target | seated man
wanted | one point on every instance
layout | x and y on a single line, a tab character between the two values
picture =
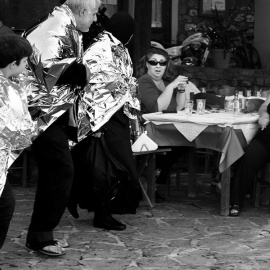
256	154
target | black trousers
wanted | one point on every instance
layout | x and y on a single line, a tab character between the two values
7	206
256	154
90	183
117	137
55	176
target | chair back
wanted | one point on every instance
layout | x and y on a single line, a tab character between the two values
254	104
212	101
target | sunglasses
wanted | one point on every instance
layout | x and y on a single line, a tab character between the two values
154	63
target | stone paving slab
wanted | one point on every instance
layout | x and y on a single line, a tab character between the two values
180	233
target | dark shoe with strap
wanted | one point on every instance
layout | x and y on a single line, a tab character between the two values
108	223
234	211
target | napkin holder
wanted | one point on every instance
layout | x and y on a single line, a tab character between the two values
144	144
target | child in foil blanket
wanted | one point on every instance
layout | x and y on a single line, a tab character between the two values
16	126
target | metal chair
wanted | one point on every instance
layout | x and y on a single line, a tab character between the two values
261	186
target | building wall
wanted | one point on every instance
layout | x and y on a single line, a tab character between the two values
262	34
23	13
215	78
242	12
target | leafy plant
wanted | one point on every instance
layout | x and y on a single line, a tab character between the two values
223	32
227	32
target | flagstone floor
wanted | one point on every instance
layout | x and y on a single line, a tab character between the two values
181	233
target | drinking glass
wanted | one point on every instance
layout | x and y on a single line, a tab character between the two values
188	107
182	87
229	106
200	106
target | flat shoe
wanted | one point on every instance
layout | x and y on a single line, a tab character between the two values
109	223
234	211
40	248
62	243
72	208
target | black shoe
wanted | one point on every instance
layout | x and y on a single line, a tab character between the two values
159	198
108	223
72	208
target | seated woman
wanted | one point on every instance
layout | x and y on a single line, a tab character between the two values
158	94
257	153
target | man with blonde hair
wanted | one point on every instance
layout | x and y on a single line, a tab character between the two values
57	75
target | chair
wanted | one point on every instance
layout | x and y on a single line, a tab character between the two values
177	168
262	186
146	161
254	104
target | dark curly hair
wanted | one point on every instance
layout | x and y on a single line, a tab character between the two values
13	48
141	68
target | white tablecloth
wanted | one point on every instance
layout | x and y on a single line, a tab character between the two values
192	125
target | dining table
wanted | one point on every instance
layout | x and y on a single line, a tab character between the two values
227	133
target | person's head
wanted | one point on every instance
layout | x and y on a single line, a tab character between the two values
5	29
122	26
14	52
85	12
154	63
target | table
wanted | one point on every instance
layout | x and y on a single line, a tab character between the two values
222	132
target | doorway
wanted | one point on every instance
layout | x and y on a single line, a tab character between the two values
161	22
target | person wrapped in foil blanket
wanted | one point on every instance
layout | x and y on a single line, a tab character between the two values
53	54
105	170
106	92
17	130
111	85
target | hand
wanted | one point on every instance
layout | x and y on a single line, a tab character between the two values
263	121
97	134
180	80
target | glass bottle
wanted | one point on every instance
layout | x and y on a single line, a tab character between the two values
236	103
191	96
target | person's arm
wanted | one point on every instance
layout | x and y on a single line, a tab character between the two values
180	97
180	101
165	98
264	115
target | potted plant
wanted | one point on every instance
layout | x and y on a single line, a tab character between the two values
222	33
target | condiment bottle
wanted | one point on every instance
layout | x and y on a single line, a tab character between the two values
236	104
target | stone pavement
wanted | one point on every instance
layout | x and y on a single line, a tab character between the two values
180	233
